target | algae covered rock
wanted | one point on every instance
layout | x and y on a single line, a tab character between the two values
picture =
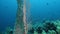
9	30
43	32
31	31
39	30
50	27
58	30
57	22
35	32
51	32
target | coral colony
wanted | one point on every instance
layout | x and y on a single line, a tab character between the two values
48	27
51	27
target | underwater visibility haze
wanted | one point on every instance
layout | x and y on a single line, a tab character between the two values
39	10
7	13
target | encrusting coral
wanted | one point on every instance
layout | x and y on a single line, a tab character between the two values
49	27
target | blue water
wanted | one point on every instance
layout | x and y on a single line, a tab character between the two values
45	9
7	13
39	9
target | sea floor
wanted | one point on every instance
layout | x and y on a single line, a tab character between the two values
48	27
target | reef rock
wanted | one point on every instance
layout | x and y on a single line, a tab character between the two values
58	30
43	32
51	32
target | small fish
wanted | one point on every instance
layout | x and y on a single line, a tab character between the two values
47	3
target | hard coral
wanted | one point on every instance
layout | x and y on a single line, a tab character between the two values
39	30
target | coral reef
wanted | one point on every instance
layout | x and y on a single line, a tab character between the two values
39	30
49	27
9	30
